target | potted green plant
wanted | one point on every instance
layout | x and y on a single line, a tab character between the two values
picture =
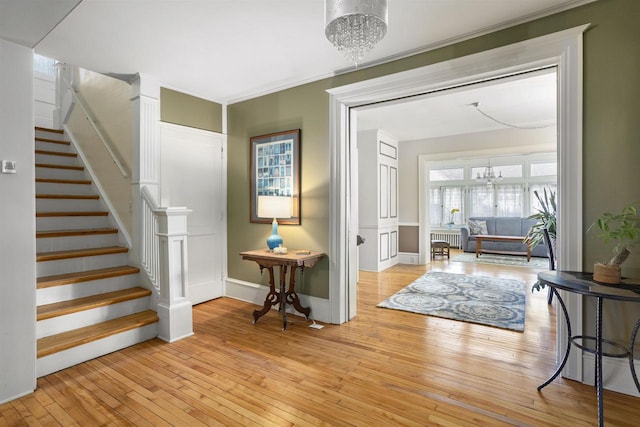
622	228
546	216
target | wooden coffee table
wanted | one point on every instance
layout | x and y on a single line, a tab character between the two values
492	238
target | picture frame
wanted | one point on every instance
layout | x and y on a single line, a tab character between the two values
275	171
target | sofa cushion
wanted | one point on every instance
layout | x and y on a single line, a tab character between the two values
477	226
507	226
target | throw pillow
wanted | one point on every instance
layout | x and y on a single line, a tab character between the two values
478	226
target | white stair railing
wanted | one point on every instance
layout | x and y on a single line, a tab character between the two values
164	259
150	247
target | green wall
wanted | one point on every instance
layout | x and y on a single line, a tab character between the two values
611	133
186	110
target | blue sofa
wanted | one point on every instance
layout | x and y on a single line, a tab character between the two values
501	226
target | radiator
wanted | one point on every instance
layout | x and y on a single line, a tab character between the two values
452	237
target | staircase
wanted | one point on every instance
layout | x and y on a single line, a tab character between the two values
88	301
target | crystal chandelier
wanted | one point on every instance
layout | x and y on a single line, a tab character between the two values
488	176
355	26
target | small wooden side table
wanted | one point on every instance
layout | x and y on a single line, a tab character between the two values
286	262
439	247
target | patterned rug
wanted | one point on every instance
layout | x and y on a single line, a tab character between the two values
510	260
485	300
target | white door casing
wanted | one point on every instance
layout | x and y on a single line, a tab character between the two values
562	50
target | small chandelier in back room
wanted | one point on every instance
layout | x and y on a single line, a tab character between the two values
489	177
355	26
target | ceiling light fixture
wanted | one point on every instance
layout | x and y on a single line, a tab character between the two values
477	105
354	27
488	176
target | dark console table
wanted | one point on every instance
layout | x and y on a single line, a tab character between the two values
286	262
583	283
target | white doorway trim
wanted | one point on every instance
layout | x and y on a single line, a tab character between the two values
562	50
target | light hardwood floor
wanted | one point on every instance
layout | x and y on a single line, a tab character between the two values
384	368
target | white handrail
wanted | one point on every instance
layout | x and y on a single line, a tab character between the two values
150	246
103	138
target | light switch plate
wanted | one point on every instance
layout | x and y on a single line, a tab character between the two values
8	166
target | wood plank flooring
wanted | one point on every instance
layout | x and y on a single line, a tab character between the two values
384	368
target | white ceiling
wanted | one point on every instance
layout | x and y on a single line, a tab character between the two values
527	101
228	50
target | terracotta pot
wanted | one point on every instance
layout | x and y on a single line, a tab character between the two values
606	273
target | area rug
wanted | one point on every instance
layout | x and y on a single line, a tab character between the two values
510	260
488	301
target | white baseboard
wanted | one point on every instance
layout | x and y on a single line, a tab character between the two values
616	374
256	294
408	258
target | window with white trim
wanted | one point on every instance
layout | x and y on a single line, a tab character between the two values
452	184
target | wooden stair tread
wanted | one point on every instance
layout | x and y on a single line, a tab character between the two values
52	141
64	181
52	166
78	253
63	308
75	213
85	276
55	153
68	196
68	233
45	129
66	340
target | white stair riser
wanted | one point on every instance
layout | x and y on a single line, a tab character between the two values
57	160
50	146
85	289
73	356
50	135
51	244
57	325
67	205
57	188
72	222
73	265
59	173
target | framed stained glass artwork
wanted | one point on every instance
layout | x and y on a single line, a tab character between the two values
275	171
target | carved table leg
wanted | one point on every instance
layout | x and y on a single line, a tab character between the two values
283	298
272	299
292	297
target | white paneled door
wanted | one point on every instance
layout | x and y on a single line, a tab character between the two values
193	174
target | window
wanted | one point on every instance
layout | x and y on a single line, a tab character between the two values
442	200
453	185
435	206
44	65
481	200
452	198
454	174
539	188
509	200
544	169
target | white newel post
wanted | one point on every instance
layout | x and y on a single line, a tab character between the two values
174	307
167	276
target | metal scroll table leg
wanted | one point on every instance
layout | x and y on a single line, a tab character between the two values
632	343
566	354
599	361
